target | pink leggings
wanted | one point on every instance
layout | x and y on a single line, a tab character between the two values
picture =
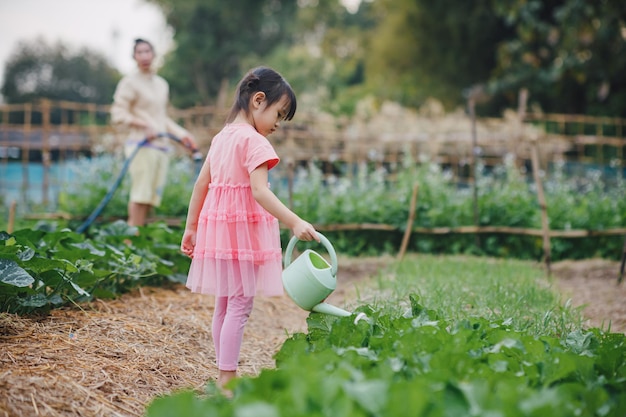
229	319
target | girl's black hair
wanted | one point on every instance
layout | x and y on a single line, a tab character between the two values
269	82
138	42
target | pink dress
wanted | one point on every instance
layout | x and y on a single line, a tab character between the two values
237	248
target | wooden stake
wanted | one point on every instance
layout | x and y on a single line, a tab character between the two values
545	227
475	155
409	223
534	157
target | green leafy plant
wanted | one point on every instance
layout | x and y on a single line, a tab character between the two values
421	363
42	269
505	197
371	194
92	179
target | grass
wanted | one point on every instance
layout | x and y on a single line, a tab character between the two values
461	287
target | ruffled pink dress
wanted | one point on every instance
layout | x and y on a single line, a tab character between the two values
237	248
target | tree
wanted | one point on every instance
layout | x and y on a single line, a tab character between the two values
570	54
212	37
39	70
339	41
425	48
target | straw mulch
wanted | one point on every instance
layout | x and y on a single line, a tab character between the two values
111	358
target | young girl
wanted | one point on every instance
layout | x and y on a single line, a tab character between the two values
232	232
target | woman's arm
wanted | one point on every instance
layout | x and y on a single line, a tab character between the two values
186	138
268	200
121	107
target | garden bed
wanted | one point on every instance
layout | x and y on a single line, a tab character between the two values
110	358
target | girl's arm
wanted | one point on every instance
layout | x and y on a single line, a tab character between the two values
198	195
268	200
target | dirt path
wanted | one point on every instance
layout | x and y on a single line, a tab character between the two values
592	285
113	357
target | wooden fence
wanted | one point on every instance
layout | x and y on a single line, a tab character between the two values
46	132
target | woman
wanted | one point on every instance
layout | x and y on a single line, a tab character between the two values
140	105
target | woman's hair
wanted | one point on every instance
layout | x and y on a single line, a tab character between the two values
269	82
138	42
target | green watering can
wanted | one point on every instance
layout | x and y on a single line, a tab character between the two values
310	279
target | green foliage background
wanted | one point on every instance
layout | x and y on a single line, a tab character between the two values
505	198
570	54
38	69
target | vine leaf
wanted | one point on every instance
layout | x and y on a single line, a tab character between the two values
12	274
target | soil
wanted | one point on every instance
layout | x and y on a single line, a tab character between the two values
111	358
592	286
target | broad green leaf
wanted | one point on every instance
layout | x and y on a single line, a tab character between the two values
36	300
89	246
409	398
256	409
371	395
26	255
11	252
183	404
12	274
38	265
453	403
78	289
581	342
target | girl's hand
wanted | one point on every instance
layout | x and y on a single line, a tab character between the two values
188	243
305	231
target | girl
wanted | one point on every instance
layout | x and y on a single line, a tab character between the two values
232	232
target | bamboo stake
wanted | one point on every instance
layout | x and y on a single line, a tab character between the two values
409	222
534	154
474	162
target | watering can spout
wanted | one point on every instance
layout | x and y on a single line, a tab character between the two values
330	309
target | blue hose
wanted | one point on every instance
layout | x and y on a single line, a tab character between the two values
109	195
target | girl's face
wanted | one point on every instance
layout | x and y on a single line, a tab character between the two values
266	119
144	55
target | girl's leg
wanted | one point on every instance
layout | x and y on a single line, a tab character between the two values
219	312
223	378
231	337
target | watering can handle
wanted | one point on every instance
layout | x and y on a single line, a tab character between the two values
327	245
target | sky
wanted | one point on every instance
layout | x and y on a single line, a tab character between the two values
106	26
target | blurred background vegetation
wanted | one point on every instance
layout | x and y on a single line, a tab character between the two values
570	54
